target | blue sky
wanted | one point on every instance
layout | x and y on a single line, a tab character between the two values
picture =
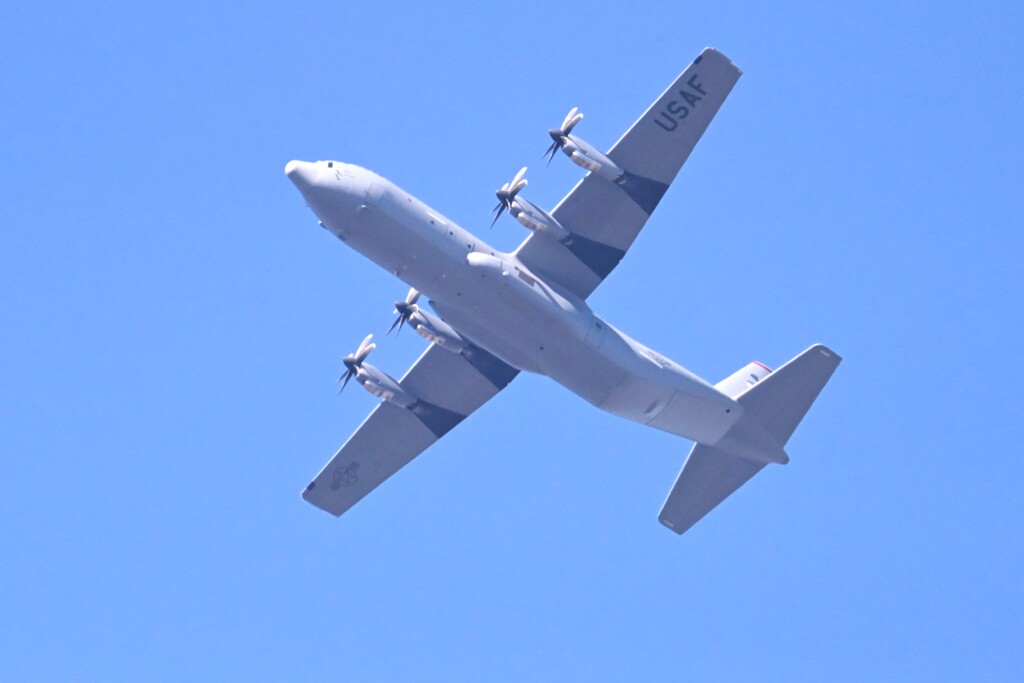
172	322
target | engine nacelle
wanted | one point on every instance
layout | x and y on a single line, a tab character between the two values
534	218
382	385
585	155
435	330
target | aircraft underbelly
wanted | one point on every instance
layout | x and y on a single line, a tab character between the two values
663	396
589	357
497	303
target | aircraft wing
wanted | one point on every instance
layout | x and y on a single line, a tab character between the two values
605	217
449	387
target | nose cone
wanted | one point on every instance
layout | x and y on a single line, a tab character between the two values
302	173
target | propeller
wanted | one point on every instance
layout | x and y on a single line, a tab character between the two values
405	309
355	360
507	193
560	135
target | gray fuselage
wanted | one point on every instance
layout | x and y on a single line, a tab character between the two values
496	302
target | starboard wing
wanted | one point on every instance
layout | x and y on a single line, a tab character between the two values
605	217
449	387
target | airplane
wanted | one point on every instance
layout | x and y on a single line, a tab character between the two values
494	314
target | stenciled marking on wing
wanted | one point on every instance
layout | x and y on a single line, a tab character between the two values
345	476
675	110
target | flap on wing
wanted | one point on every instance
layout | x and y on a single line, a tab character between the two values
450	387
605	217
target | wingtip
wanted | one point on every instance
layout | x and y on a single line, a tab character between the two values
668	525
306	494
718	53
827	352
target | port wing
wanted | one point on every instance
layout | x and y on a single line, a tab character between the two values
449	387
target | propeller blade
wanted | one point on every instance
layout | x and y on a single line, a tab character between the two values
364	349
354	361
350	371
515	186
560	135
571	119
568	118
552	150
497	211
504	195
405	311
362	345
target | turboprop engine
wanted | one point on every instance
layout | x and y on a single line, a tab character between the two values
528	214
375	381
582	153
427	325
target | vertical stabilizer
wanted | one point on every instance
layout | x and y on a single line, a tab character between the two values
781	399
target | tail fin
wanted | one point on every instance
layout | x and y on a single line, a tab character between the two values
782	398
774	405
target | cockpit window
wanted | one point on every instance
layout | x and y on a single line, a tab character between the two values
330	164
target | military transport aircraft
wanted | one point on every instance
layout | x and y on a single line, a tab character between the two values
495	314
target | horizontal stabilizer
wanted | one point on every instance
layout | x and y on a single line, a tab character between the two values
708	477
